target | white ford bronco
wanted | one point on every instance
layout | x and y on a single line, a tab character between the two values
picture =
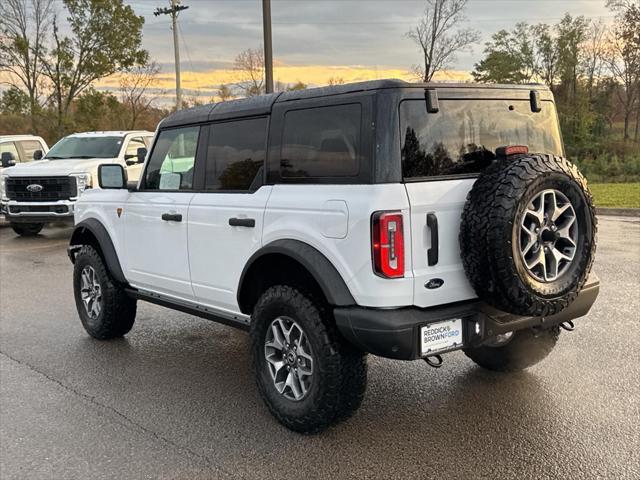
402	220
32	194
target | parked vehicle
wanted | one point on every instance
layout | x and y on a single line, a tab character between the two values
33	194
403	220
15	149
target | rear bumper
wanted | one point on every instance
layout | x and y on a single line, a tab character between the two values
395	333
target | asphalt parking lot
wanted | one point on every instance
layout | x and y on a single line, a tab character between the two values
176	398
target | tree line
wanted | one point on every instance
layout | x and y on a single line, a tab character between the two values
592	68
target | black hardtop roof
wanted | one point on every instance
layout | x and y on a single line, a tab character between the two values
262	104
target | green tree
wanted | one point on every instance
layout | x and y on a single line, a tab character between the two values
94	110
14	101
510	57
106	37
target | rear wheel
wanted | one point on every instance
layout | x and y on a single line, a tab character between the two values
515	351
105	310
308	376
27	229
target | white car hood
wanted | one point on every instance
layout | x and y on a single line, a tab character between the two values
39	168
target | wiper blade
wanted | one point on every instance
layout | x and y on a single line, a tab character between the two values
54	158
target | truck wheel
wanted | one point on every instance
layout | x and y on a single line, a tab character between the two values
27	229
523	349
105	310
308	376
528	234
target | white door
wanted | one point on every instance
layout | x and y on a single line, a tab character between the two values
156	217
225	222
436	208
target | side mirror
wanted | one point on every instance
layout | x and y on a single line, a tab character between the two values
142	154
7	159
37	155
112	176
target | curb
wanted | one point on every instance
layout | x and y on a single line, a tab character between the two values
618	212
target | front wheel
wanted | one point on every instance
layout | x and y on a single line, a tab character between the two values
27	229
515	351
105	310
308	376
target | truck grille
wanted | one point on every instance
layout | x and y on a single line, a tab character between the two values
27	189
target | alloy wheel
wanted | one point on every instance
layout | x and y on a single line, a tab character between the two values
289	358
548	235
91	292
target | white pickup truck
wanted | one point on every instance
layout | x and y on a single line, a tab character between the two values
32	194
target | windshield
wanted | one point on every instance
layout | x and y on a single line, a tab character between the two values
85	147
463	136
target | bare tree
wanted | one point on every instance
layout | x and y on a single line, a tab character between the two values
436	37
594	54
225	94
249	67
623	59
335	81
136	85
23	31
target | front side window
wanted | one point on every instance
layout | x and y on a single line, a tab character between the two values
321	142
463	136
236	154
172	160
28	148
85	147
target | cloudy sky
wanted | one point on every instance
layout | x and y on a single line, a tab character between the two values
314	40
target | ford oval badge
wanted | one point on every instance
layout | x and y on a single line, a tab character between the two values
34	188
434	283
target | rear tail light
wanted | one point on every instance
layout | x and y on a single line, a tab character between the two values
387	244
512	150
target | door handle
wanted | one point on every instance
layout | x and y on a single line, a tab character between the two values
172	217
242	222
432	253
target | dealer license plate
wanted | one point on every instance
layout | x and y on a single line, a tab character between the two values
440	336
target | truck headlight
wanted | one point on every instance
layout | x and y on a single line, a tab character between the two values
3	188
83	181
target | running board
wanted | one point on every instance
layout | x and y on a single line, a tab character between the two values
236	320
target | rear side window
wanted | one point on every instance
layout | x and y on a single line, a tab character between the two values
171	164
28	148
236	154
463	136
321	142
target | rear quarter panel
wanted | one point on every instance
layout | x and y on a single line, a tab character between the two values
336	220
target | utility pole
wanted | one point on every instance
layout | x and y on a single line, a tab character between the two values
268	51
173	11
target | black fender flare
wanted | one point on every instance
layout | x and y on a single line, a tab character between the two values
321	269
108	251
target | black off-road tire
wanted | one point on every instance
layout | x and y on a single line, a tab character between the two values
118	310
489	234
27	229
523	350
340	371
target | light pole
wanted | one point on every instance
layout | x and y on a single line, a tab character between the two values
268	51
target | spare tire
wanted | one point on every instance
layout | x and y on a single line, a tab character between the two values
528	234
